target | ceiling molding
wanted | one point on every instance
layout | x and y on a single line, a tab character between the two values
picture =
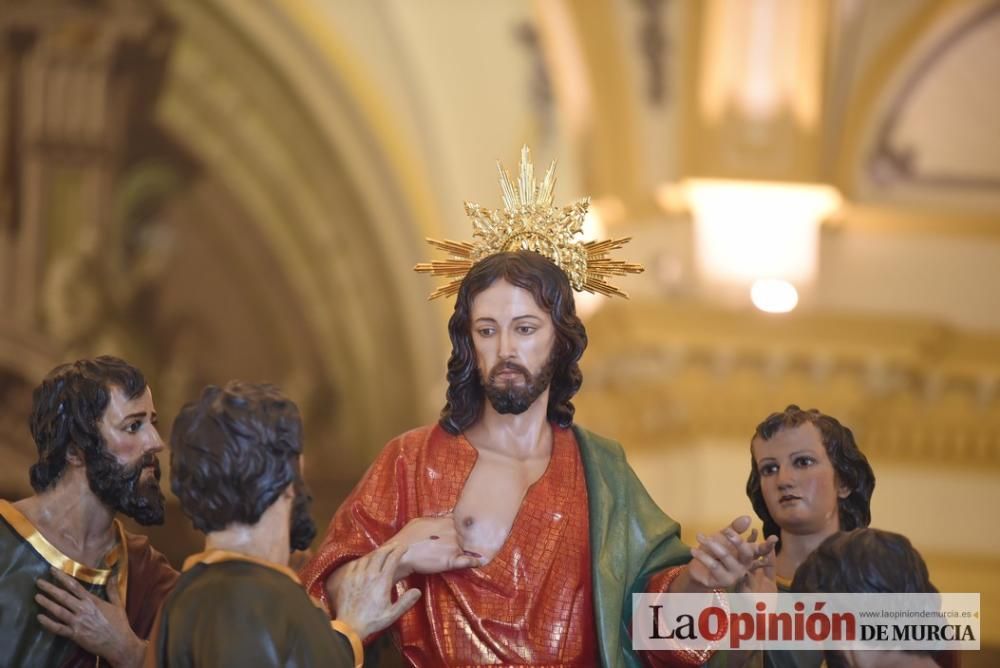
657	375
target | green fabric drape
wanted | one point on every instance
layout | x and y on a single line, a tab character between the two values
630	540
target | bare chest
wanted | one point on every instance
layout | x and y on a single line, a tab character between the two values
491	498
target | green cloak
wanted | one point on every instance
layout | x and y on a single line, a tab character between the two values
630	540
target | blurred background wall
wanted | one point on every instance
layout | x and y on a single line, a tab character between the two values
221	189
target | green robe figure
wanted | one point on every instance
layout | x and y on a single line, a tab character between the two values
143	575
232	610
236	468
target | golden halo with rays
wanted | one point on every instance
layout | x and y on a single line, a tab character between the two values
530	222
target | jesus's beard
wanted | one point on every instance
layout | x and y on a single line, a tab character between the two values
508	398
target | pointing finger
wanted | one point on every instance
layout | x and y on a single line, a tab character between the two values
68	583
404	603
64	598
464	561
740	524
392	559
53	608
54	627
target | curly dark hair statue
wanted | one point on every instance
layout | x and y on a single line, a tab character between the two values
867	561
551	289
233	452
66	408
849	463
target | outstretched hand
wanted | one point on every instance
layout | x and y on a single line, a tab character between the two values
433	546
363	598
724	558
98	626
760	577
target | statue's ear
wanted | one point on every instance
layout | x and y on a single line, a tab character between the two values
74	456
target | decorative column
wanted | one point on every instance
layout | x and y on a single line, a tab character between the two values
74	79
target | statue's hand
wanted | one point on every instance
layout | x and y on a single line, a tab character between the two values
433	546
363	599
98	626
760	577
724	558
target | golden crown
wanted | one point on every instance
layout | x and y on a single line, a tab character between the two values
530	222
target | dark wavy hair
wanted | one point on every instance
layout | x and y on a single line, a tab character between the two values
67	407
551	289
233	452
864	561
867	561
850	464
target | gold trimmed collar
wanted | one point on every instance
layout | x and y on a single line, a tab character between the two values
783	582
99	576
217	556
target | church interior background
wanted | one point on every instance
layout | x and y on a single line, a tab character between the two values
220	189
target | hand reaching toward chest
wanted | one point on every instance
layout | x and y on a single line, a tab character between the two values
98	626
433	545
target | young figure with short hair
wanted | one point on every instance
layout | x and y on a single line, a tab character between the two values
236	458
808	481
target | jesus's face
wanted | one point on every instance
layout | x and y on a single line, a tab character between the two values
514	338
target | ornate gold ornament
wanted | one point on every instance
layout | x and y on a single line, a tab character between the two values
530	222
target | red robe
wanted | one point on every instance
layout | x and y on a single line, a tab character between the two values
531	605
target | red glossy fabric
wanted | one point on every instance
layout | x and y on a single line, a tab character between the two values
531	605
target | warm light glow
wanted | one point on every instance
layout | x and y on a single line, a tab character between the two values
593	223
671	197
773	295
569	71
603	212
593	228
760	60
746	230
